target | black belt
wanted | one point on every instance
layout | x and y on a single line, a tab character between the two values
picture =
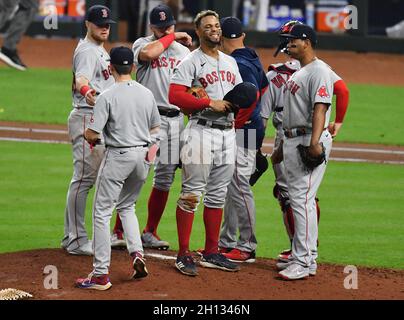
278	109
214	125
127	147
296	132
169	113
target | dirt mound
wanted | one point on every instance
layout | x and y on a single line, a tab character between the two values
256	281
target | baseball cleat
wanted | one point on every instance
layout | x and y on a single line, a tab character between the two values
221	250
84	250
139	266
152	241
237	255
118	241
186	265
294	272
283	265
94	282
285	255
218	261
11	58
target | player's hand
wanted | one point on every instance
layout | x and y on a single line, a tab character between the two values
151	153
315	150
183	38
277	154
90	97
334	128
220	105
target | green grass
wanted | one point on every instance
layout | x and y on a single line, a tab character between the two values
362	220
374	115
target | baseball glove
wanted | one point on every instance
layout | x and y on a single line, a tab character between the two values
308	160
198	92
260	167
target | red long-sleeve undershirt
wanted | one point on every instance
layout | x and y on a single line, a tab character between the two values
341	92
178	95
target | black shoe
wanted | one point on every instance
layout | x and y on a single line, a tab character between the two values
11	58
218	261
186	265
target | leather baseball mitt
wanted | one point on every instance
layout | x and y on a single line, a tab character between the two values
308	160
198	92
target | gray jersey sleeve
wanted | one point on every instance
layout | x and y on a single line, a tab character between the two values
321	87
136	48
84	64
155	116
101	114
267	100
185	73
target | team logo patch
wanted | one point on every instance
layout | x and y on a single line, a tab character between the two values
104	13
163	16
322	92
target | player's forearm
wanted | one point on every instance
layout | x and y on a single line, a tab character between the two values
341	92
81	82
244	115
320	110
154	49
91	136
178	96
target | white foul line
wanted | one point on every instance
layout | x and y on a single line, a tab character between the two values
33	130
365	150
265	144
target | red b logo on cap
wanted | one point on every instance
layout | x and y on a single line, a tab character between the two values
163	16
104	13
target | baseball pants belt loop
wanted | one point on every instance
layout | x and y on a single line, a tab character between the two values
213	125
169	113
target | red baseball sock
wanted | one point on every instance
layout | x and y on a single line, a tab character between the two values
185	220
156	205
212	217
118	228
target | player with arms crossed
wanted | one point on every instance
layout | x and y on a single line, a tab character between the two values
129	125
208	149
91	76
156	57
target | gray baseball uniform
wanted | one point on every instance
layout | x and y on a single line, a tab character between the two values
92	62
310	85
273	103
208	154
126	121
156	76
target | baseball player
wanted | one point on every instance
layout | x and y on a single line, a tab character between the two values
307	98
272	102
156	57
208	149
20	13
91	76
128	123
239	210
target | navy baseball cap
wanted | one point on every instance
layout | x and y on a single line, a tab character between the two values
121	56
231	27
301	31
162	16
99	15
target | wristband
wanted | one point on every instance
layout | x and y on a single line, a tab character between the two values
167	40
84	90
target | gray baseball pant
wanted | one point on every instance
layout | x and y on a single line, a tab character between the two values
85	168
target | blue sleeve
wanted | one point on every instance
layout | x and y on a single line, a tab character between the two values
248	75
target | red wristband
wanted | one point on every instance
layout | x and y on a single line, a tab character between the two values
84	90
167	40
